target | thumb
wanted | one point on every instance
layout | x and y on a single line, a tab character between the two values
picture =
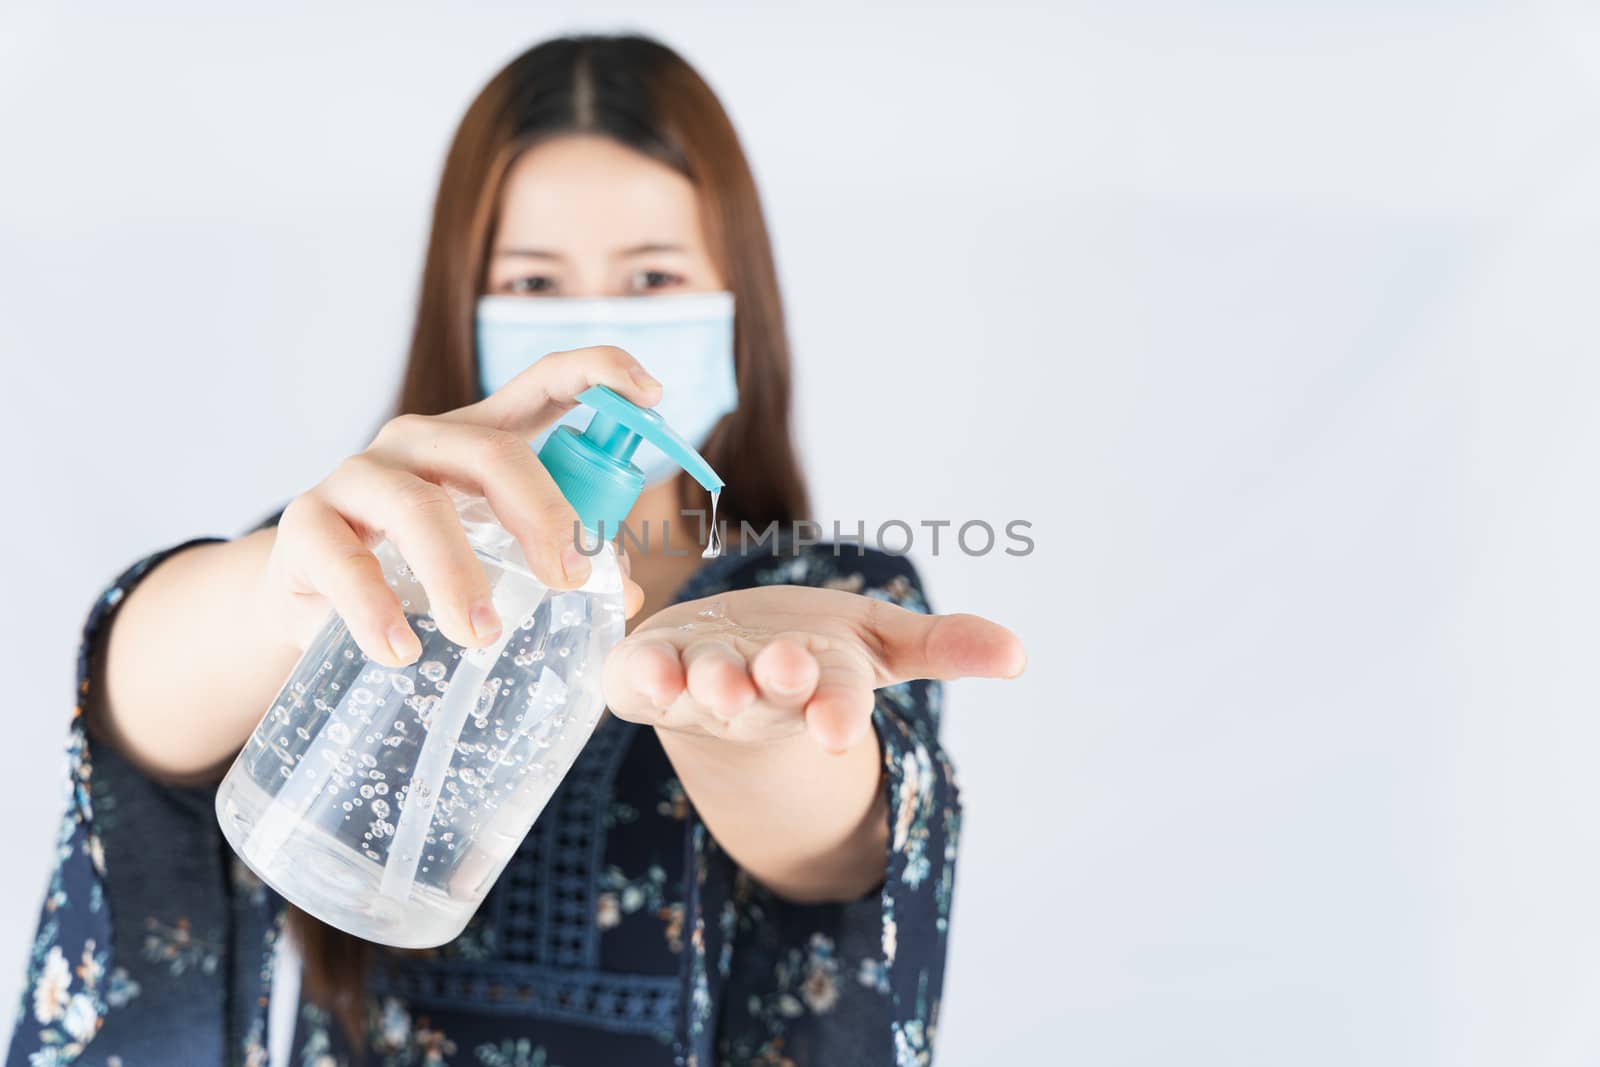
945	647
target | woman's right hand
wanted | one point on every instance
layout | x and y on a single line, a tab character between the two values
323	558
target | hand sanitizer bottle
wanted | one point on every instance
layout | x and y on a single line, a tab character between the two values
387	801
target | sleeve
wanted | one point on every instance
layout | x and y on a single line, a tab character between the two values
131	955
772	981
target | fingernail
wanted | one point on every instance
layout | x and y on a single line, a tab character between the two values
403	642
574	564
485	623
642	378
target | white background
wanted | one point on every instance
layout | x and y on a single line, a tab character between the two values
1279	323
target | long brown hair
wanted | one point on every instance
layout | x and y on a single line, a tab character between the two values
645	96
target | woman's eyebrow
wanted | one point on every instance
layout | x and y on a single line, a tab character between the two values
531	253
652	246
635	250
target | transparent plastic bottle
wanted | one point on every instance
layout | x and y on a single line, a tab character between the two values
386	801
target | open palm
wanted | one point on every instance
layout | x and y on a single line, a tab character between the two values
758	664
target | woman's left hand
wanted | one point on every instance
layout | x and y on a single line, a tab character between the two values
760	664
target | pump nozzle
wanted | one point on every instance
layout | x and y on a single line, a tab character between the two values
594	469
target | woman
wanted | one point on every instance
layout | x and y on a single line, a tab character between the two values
751	861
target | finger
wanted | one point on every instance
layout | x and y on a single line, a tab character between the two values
539	395
501	468
632	598
719	678
345	571
839	713
632	591
643	677
913	645
420	519
785	672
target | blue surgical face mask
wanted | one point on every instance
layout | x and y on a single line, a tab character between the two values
685	341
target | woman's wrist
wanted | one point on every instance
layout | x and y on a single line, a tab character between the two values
809	824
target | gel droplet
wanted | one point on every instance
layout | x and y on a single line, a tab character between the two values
714	545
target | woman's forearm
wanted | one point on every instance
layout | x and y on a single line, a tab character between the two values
189	668
808	824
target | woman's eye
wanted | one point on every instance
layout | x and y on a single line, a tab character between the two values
536	283
655	279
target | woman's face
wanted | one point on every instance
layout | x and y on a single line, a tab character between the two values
582	215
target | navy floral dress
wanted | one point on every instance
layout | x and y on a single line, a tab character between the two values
620	933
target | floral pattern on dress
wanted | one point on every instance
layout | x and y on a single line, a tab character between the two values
169	959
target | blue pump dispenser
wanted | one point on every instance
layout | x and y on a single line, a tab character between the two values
594	469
